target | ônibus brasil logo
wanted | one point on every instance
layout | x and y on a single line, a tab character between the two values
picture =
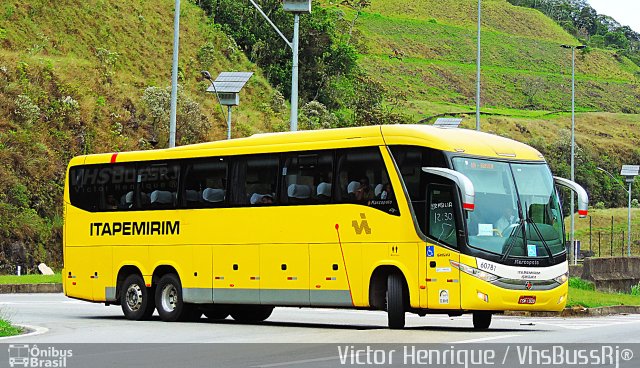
24	355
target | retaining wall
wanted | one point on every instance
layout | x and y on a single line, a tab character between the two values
30	288
614	273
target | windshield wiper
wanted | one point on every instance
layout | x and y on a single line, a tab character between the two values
511	240
539	233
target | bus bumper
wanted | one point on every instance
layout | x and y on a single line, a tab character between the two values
481	295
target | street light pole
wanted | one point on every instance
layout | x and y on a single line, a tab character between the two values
295	7
294	73
478	67
573	141
573	147
174	76
629	223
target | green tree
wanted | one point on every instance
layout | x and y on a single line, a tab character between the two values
322	55
616	40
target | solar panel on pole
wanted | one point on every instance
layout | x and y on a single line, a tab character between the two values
228	86
448	123
630	170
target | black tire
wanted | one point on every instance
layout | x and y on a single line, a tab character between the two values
169	302
136	299
191	313
396	301
481	320
217	313
251	313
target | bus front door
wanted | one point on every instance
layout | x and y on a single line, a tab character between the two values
443	280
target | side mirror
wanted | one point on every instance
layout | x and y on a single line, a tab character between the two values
462	181
583	197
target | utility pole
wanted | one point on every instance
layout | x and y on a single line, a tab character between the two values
478	67
296	7
573	140
174	76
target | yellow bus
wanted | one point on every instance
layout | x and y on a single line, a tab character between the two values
400	218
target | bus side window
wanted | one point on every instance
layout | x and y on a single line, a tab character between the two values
307	178
363	179
158	185
410	160
103	187
83	190
261	179
442	220
205	183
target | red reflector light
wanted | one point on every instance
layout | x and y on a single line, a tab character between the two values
468	206
583	213
527	300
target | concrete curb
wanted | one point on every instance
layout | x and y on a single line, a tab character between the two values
30	288
581	312
27	331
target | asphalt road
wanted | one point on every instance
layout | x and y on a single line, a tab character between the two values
62	321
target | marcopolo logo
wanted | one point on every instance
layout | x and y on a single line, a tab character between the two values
23	355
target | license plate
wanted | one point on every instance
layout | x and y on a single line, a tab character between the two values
527	300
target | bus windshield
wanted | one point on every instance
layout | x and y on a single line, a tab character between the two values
517	212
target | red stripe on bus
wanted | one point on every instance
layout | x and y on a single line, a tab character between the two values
344	264
113	158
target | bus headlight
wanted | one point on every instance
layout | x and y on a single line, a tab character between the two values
482	275
562	278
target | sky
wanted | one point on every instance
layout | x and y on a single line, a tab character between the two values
626	12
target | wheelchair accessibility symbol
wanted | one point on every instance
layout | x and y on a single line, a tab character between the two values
430	251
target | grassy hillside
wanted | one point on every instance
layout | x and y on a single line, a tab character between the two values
523	64
498	16
74	79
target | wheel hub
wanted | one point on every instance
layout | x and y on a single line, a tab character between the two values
169	298
134	297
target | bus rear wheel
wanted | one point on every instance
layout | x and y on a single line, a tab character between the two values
395	301
251	313
136	299
169	302
481	320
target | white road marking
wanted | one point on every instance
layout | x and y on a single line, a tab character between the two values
296	362
37	330
489	338
42	302
586	323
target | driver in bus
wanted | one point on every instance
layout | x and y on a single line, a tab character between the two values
506	220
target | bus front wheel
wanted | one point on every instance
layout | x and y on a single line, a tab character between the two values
395	301
217	312
251	313
136	299
169	302
481	320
